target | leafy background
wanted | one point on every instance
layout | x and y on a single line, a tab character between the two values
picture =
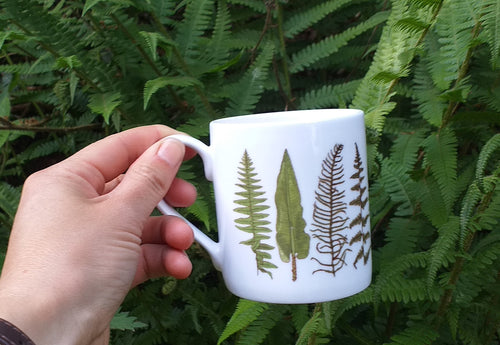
426	73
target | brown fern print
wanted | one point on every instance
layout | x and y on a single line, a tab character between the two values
329	215
362	218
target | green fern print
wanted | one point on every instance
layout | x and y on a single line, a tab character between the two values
293	242
254	222
362	217
329	215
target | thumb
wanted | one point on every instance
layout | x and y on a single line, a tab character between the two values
149	178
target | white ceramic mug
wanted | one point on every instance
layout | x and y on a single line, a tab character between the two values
291	196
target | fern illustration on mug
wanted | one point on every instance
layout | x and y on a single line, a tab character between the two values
362	217
330	214
253	206
292	240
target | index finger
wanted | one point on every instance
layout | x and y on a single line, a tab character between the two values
106	159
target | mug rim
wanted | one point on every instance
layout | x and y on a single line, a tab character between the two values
290	117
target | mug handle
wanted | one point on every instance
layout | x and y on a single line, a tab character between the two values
213	248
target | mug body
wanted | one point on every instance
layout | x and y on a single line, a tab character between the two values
291	192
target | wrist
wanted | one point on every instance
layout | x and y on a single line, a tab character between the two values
10	334
41	318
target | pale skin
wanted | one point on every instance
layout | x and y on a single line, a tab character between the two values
83	236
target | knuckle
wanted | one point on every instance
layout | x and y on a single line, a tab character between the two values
151	178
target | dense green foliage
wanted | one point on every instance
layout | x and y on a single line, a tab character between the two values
426	73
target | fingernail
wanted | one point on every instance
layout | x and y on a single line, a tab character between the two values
171	151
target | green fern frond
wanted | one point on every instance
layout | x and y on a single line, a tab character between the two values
218	51
339	307
394	53
28	68
491	23
441	159
197	125
482	265
201	211
43	149
454	27
405	150
375	116
316	51
243	39
490	217
426	4
152	86
439	253
257	331
401	237
256	5
427	96
399	186
329	96
197	19
309	329
9	199
151	41
492	145
432	202
405	290
418	334
469	204
246	312
89	4
305	19
300	315
246	92
391	271
105	104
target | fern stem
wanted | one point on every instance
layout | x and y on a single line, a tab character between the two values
462	73
267	23
391	319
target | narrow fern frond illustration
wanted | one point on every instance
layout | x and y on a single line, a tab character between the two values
255	223
329	215
362	219
293	242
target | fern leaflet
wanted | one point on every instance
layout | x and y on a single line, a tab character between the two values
441	159
301	21
246	312
197	18
491	22
245	93
316	51
440	250
492	145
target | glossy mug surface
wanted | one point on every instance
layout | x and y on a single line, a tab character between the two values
291	193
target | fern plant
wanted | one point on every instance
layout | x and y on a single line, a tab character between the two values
425	72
